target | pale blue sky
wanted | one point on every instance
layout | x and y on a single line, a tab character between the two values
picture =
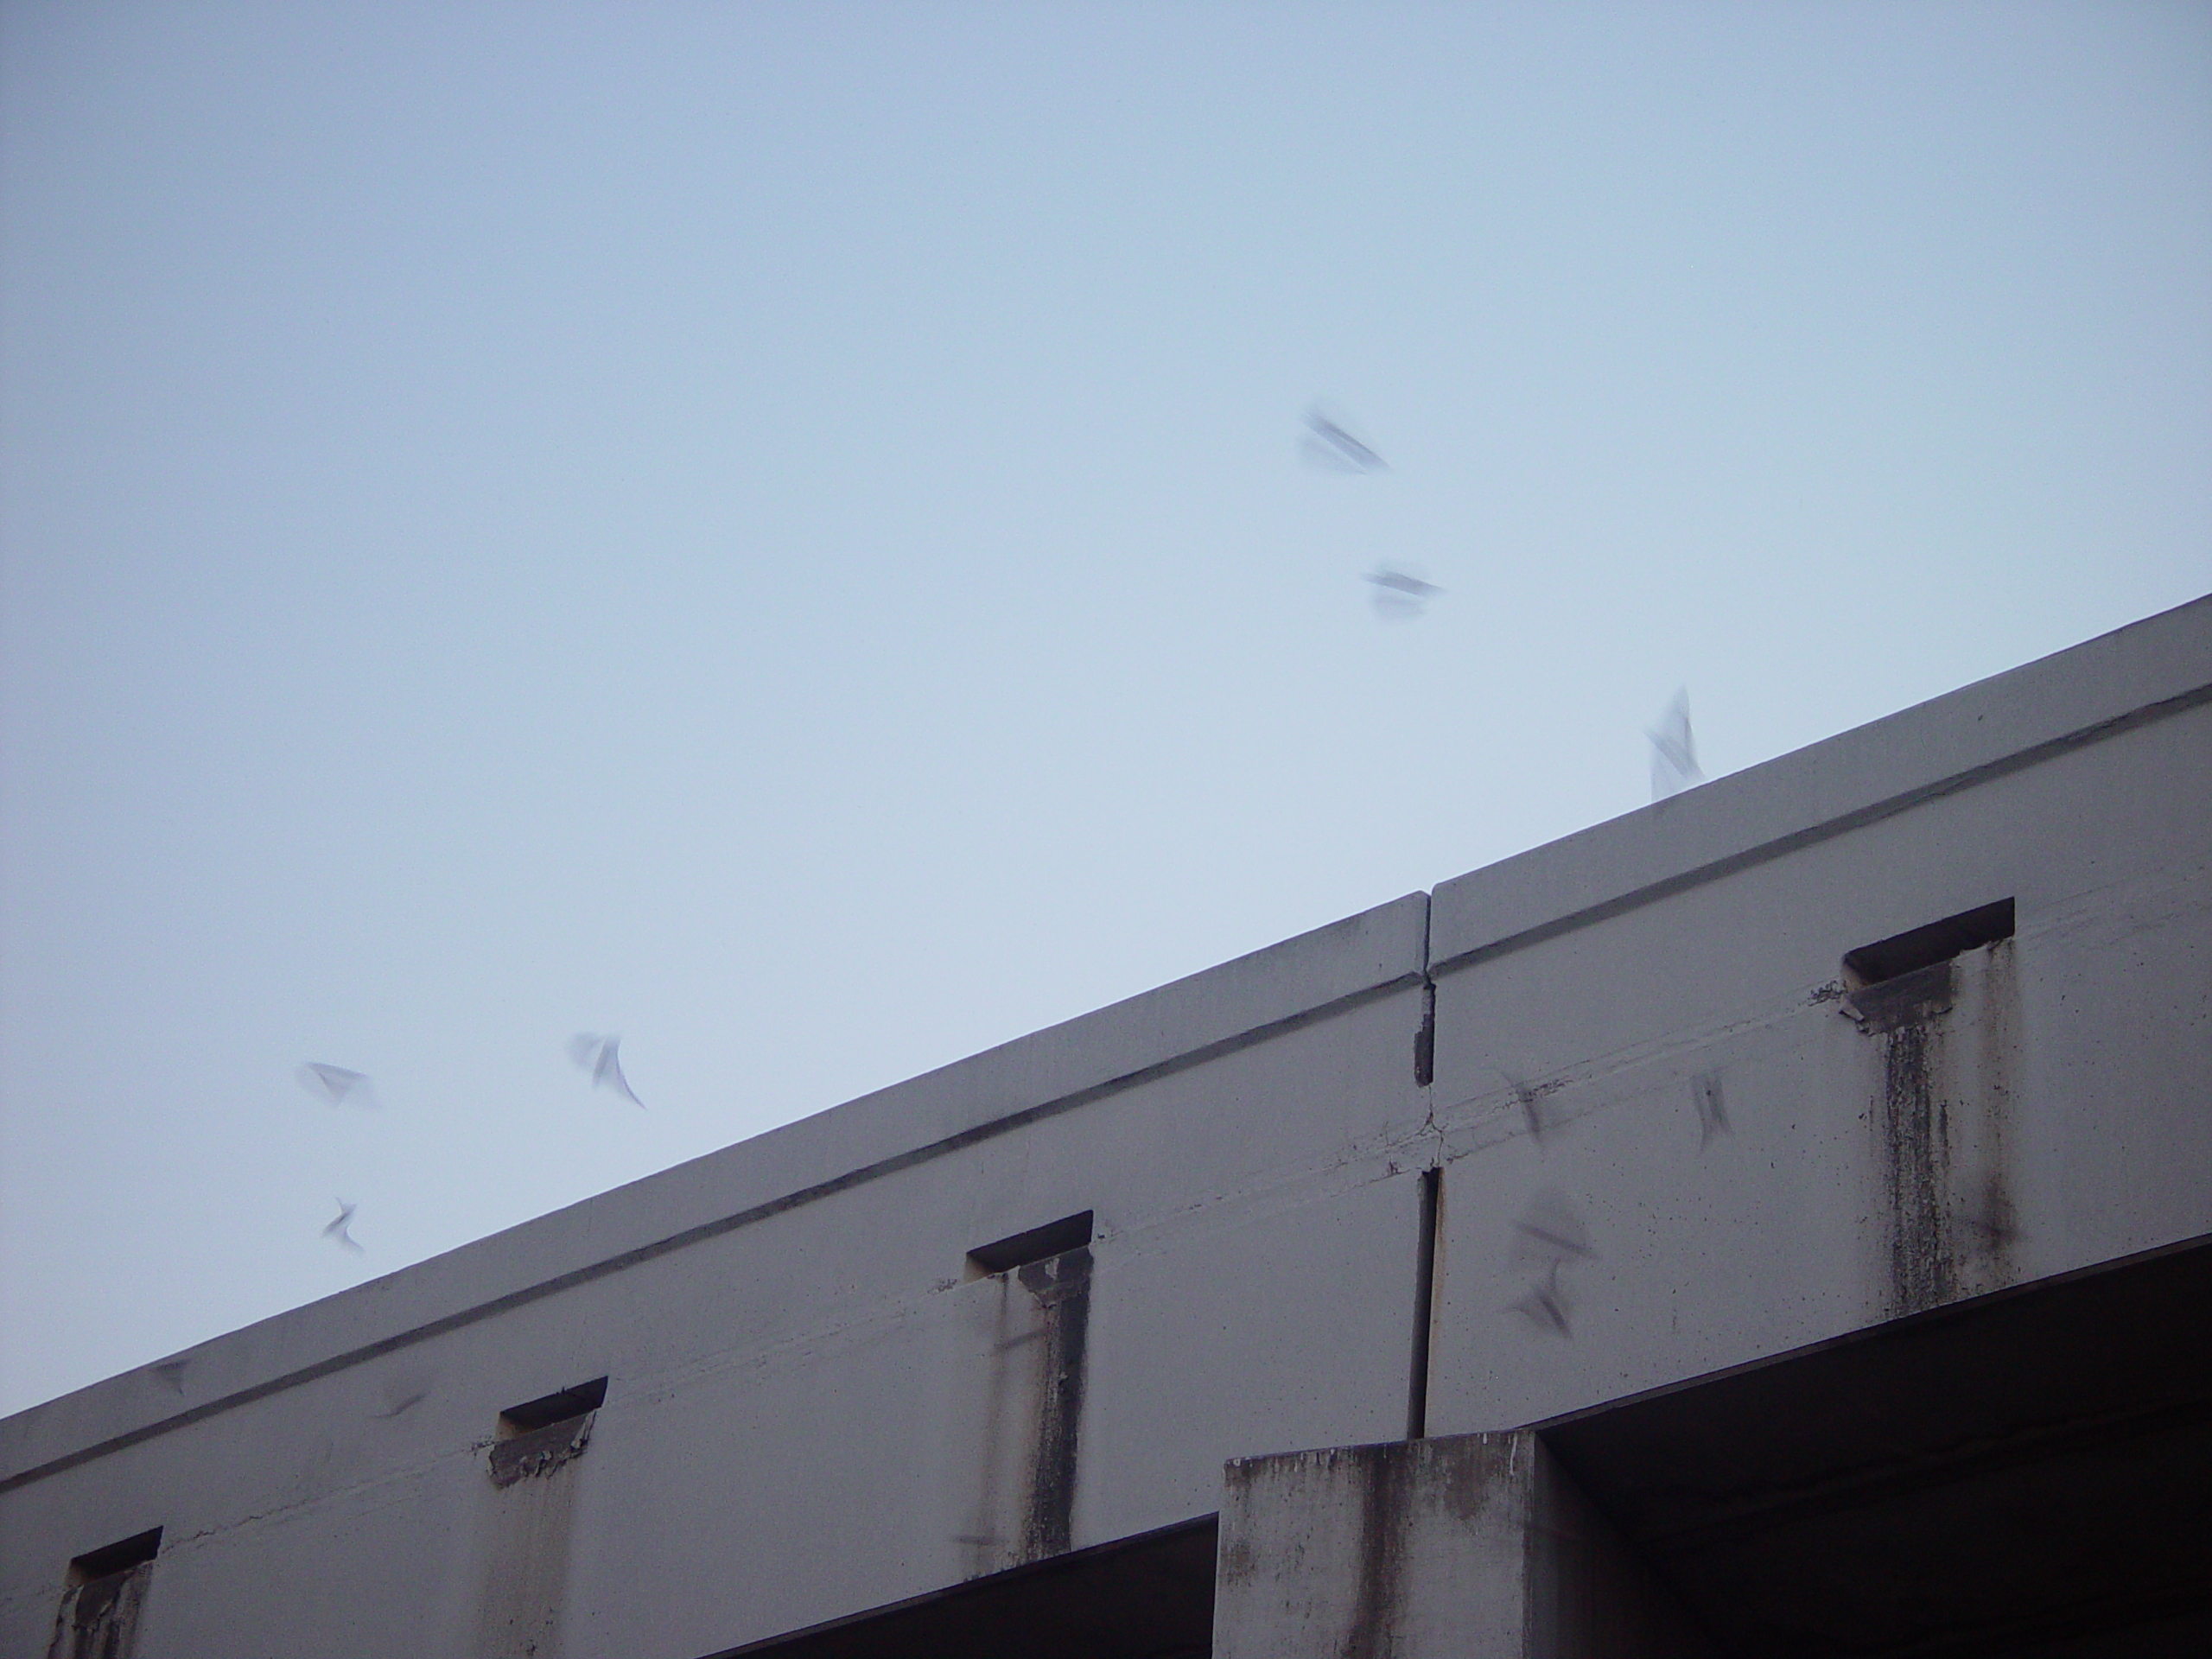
777	531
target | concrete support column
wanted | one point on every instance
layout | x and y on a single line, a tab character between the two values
1472	1546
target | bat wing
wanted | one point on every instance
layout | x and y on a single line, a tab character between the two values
608	1072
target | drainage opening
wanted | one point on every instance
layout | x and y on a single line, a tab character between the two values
1038	1244
542	1435
566	1405
135	1551
99	1613
1923	947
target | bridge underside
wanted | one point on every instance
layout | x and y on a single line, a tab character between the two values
2028	1474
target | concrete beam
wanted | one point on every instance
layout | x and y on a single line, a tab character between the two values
1472	1546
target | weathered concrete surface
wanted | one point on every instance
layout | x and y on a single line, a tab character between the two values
1665	1148
101	1611
2133	676
524	1522
822	1383
1741	1166
941	1114
1474	1547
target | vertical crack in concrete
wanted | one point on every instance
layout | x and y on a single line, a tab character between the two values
1425	1038
1432	1210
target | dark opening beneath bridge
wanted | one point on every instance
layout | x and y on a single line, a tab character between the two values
1145	1598
2027	1474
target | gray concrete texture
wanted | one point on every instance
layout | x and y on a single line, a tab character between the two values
1670	1143
1478	1545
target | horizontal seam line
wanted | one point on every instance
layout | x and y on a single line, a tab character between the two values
714	1228
1812	835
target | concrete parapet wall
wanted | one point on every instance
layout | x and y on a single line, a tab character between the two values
1594	1120
1738	1167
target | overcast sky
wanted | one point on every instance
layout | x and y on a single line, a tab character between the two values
780	531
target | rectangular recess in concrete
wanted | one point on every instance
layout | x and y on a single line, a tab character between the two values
1923	947
1038	1244
551	1409
134	1551
99	1617
541	1435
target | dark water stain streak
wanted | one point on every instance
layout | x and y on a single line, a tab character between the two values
1916	1133
1062	1287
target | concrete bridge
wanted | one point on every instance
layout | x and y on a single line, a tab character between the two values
1774	1222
